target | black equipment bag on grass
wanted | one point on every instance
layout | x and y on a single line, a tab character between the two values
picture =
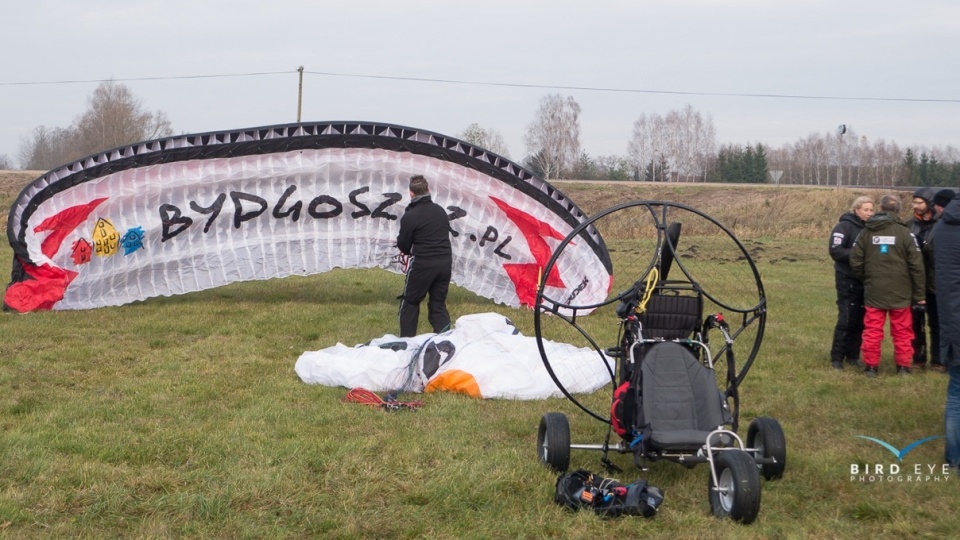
606	496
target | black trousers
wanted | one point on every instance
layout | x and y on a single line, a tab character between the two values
425	276
928	317
847	334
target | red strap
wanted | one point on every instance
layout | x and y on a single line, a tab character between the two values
366	397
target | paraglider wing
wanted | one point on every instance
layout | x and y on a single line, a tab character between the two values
193	212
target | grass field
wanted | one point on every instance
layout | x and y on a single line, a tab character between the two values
183	417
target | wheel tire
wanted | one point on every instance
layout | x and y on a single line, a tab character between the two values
766	435
553	441
738	479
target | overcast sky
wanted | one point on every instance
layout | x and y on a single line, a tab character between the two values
897	62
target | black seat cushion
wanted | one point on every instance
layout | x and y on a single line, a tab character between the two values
680	401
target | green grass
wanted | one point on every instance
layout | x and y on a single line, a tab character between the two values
183	417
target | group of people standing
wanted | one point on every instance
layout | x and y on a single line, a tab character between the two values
888	268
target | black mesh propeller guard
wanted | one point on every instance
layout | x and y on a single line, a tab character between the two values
644	238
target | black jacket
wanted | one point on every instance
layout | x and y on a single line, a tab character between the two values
947	259
425	230
922	230
929	259
841	242
921	227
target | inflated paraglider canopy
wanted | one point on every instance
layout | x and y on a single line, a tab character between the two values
191	212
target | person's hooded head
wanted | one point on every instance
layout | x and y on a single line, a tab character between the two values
923	202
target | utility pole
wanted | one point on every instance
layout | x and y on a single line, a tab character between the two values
841	129
300	94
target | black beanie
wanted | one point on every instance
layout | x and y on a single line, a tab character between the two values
943	197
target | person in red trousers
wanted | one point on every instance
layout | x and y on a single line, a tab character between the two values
887	258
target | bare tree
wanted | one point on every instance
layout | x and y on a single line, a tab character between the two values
699	143
5	163
114	118
891	159
640	150
782	159
861	156
881	162
683	141
553	138
817	152
838	154
648	148
843	148
45	149
488	139
873	163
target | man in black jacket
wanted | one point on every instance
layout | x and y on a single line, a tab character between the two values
425	238
921	225
849	328
947	259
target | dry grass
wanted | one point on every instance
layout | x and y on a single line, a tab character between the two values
182	417
11	182
748	210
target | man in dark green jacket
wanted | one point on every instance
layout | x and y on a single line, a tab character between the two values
887	258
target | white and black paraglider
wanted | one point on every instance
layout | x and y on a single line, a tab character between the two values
192	212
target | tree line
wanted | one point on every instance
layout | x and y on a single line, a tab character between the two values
679	146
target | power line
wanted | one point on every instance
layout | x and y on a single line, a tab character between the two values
633	90
127	79
499	84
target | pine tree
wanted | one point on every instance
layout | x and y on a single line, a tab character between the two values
911	170
758	169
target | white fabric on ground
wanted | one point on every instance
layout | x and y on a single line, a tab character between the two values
503	362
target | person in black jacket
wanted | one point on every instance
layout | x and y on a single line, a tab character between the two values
921	225
425	238
947	260
848	332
